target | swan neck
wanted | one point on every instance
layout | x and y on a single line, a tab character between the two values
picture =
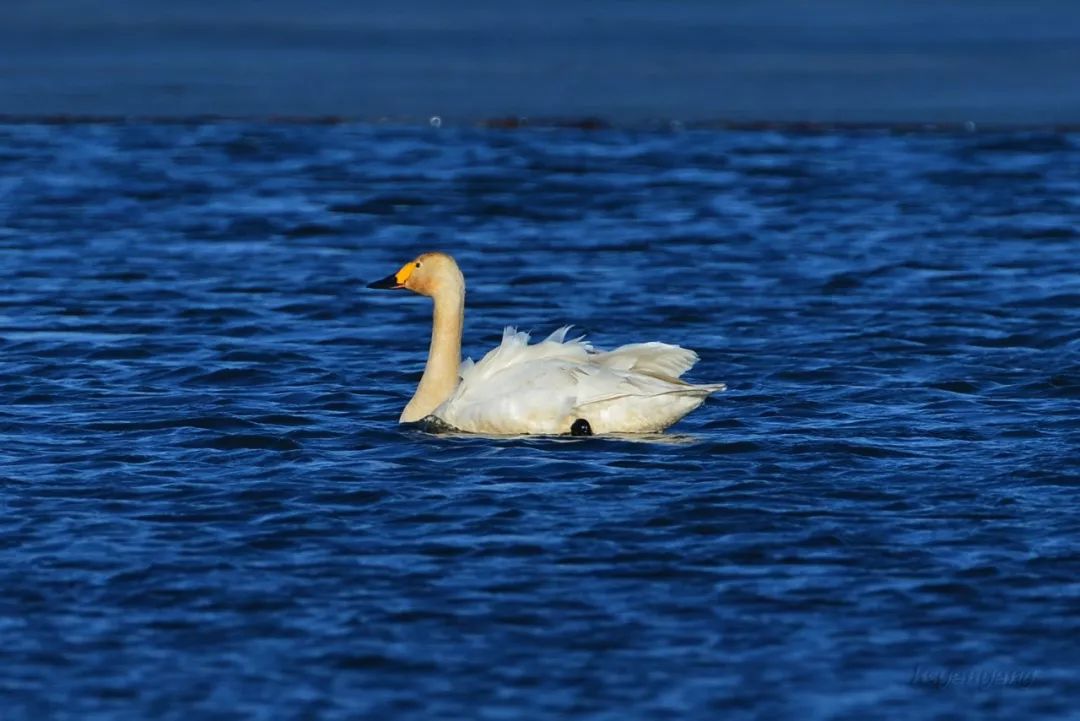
444	356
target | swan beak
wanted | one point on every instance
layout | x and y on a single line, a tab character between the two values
390	282
397	280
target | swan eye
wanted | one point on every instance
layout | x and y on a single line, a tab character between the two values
417	265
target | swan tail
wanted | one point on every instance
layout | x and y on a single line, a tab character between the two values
710	388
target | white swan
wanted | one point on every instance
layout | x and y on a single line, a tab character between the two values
556	386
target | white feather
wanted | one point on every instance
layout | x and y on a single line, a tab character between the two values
544	387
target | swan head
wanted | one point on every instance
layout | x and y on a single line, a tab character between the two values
428	274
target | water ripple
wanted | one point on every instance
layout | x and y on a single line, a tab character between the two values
210	508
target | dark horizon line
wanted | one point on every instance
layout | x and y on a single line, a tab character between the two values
569	122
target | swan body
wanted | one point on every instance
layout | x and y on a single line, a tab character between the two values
545	387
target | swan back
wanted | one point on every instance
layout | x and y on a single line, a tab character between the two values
545	387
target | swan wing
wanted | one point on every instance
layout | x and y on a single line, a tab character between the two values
656	358
514	350
517	387
543	388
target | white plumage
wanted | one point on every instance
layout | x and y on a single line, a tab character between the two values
546	387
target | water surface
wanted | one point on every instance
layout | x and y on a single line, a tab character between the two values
840	60
209	509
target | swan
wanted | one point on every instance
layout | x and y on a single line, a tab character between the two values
554	387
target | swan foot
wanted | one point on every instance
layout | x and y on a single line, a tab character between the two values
581	427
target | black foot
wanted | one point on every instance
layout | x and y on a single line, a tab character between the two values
581	427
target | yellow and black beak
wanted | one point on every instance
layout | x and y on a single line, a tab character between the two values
390	282
395	281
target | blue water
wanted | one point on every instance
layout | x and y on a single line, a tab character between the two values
832	60
209	510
